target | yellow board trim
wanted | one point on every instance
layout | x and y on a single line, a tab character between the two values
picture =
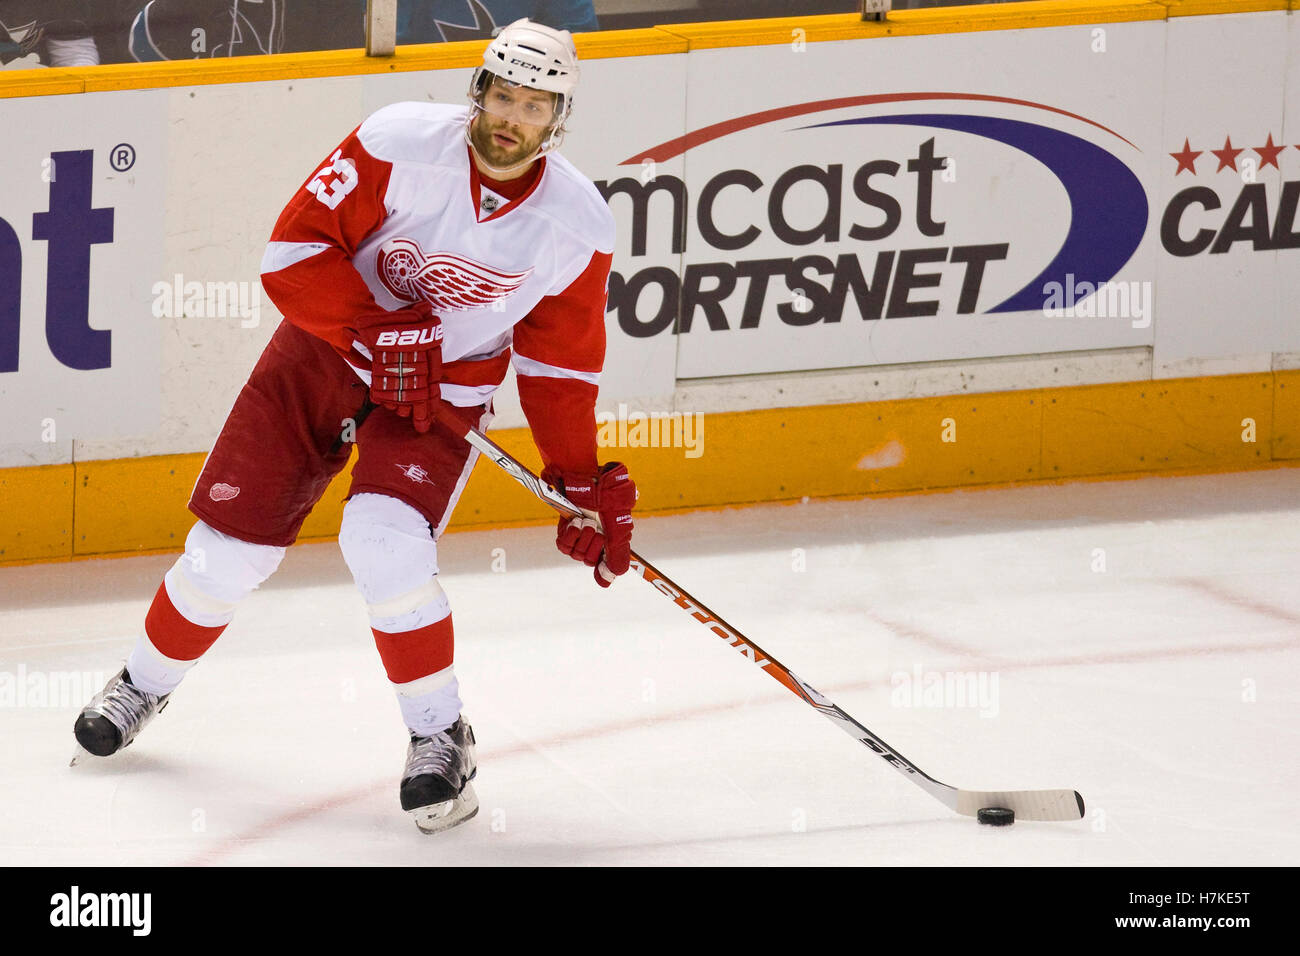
1200	8
36	506
650	41
15	83
1178	426
1286	415
291	66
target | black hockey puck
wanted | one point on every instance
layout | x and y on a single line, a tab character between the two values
996	816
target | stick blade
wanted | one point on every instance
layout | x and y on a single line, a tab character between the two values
1028	804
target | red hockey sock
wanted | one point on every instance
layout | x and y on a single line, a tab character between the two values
411	655
173	634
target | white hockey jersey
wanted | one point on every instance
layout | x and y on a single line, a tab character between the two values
399	212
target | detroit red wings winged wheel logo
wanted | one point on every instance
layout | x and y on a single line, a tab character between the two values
446	281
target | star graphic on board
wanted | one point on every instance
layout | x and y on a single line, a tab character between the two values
1227	155
1187	158
1268	153
484	27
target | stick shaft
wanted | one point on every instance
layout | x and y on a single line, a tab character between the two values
714	622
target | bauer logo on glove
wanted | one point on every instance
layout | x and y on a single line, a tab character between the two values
602	542
421	336
406	361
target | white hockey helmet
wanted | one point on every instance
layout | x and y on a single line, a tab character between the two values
532	55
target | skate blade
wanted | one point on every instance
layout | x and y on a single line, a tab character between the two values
443	816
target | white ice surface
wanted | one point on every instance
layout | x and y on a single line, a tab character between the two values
614	730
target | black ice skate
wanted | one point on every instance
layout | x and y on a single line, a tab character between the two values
436	788
115	715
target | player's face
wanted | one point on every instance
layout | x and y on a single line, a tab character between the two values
513	123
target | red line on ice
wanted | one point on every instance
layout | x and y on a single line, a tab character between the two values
1223	595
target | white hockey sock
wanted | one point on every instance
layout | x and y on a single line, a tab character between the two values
153	671
430	704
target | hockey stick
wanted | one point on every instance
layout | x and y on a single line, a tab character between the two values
1027	804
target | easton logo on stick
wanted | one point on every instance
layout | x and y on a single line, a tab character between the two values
448	282
701	615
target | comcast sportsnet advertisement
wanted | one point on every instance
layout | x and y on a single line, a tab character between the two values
948	197
949	213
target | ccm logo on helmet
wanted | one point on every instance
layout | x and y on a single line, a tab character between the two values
410	337
531	66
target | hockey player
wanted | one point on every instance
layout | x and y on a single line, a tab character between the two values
435	247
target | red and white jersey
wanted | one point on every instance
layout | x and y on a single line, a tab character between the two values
398	213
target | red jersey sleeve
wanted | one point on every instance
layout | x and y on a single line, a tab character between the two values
308	271
559	352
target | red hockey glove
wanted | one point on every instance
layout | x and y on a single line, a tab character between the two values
405	361
610	495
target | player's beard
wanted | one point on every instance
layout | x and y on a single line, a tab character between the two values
496	154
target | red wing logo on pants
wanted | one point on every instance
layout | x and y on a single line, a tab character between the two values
447	282
222	491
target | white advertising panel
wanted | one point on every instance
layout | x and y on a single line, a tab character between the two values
82	215
855	204
1228	226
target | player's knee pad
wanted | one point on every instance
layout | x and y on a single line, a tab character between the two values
216	572
390	551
